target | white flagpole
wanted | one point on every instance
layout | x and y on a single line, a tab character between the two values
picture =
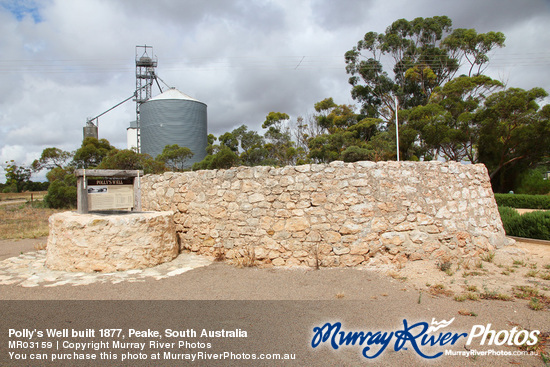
396	128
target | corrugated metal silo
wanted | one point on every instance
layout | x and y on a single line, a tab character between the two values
173	118
90	130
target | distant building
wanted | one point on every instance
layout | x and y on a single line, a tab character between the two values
131	135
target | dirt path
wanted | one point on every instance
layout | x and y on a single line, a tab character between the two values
360	299
499	273
9	202
11	248
523	264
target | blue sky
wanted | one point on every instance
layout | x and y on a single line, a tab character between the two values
22	8
62	61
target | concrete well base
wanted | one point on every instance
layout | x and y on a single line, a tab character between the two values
110	242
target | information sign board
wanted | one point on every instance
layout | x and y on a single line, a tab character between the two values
110	193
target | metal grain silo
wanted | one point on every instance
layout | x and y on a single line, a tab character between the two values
173	118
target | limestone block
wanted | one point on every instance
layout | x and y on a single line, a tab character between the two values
379	224
350	228
401	258
300	253
111	242
293	262
303	168
332	236
260	253
416	256
359	249
388	211
393	238
340	250
296	224
351	260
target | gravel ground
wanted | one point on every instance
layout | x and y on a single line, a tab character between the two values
283	305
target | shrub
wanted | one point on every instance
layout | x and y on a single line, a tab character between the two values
533	182
9	188
507	213
60	195
529	225
523	201
62	191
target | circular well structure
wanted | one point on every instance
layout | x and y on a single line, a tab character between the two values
98	242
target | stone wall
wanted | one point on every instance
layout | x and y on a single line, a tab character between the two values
339	214
110	242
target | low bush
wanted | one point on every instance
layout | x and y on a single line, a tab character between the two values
523	201
533	182
60	195
508	214
62	190
529	225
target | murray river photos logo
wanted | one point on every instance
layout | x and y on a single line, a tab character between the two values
420	337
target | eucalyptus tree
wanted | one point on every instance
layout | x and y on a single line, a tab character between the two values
514	134
447	125
424	54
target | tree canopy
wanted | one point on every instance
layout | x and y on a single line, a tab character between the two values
425	53
92	152
51	158
17	176
514	135
440	114
175	156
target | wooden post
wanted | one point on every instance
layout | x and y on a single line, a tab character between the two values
81	195
137	193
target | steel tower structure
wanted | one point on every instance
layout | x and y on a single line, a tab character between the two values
146	63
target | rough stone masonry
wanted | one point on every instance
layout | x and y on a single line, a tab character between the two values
110	242
337	214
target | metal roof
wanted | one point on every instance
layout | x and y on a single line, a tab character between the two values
174	94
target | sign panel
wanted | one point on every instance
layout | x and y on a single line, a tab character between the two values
110	193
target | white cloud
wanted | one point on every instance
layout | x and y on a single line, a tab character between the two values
67	60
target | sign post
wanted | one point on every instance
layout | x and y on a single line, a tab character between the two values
105	189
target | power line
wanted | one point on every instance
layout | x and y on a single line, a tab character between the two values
48	66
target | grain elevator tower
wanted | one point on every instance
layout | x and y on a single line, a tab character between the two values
146	64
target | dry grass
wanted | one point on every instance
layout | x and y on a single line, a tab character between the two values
18	221
467	296
537	300
219	254
247	259
467	313
36	195
440	290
